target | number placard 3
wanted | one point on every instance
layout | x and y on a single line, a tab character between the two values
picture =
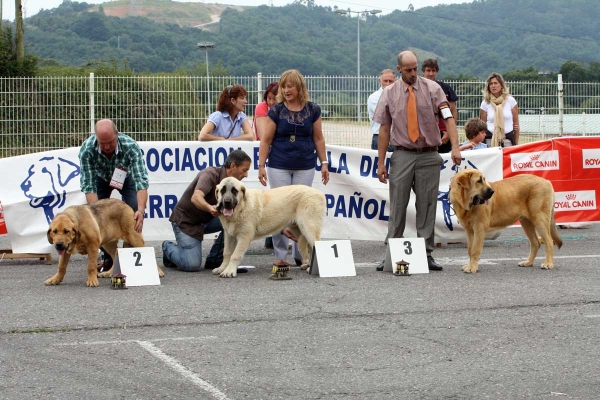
411	250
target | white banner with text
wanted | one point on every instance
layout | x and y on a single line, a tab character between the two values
38	186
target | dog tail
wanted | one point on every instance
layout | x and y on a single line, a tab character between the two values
554	232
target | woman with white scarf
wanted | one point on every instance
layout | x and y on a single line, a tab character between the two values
502	131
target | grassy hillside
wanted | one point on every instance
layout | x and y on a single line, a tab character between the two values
470	39
173	12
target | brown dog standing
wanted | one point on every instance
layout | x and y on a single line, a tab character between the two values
483	207
84	229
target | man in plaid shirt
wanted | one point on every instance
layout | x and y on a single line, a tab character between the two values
106	152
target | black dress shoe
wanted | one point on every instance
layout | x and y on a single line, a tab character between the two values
269	242
212	264
380	266
168	263
106	263
433	266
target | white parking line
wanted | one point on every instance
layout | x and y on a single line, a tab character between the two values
490	261
171	362
102	342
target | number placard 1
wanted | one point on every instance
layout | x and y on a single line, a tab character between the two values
331	258
139	264
411	250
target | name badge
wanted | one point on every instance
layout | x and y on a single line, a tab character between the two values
118	178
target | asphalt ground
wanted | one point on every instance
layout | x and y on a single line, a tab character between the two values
504	333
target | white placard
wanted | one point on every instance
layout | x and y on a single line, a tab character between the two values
139	265
411	250
332	258
118	178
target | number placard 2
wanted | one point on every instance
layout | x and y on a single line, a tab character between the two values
331	258
411	250
139	264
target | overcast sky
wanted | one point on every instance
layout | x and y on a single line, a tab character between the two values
31	7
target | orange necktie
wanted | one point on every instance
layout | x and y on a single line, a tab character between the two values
411	113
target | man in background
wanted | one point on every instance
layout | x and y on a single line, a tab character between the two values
386	78
430	70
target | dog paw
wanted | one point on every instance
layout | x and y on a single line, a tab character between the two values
105	274
467	269
161	274
228	274
53	281
217	271
547	266
304	267
92	283
526	264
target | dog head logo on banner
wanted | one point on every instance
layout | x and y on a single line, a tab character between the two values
46	181
443	196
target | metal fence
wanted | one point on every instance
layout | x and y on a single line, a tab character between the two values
38	114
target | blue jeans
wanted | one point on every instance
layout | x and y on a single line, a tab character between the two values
374	144
187	252
128	192
286	177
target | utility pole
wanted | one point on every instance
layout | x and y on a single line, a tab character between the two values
19	35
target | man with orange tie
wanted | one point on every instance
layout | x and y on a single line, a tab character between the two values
412	106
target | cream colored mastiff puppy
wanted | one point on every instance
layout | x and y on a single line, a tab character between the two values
250	213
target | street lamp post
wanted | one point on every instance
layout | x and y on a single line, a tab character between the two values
359	14
206	46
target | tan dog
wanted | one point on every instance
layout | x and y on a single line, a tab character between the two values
483	207
84	229
250	213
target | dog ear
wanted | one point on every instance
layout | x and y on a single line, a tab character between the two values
217	190
49	237
77	235
463	180
244	192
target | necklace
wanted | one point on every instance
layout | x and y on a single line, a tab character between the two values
293	109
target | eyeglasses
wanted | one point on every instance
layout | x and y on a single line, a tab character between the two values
229	90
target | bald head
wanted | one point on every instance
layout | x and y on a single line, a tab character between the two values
406	56
106	133
408	66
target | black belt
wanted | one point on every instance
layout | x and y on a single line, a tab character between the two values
293	138
418	150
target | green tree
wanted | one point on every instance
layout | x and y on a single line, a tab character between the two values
8	58
573	72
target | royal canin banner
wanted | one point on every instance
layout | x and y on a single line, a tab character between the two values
2	223
572	164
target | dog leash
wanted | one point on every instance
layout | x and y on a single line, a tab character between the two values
455	167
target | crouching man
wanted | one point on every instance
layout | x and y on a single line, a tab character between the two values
196	214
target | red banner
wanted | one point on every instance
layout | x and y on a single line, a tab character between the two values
2	223
572	164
